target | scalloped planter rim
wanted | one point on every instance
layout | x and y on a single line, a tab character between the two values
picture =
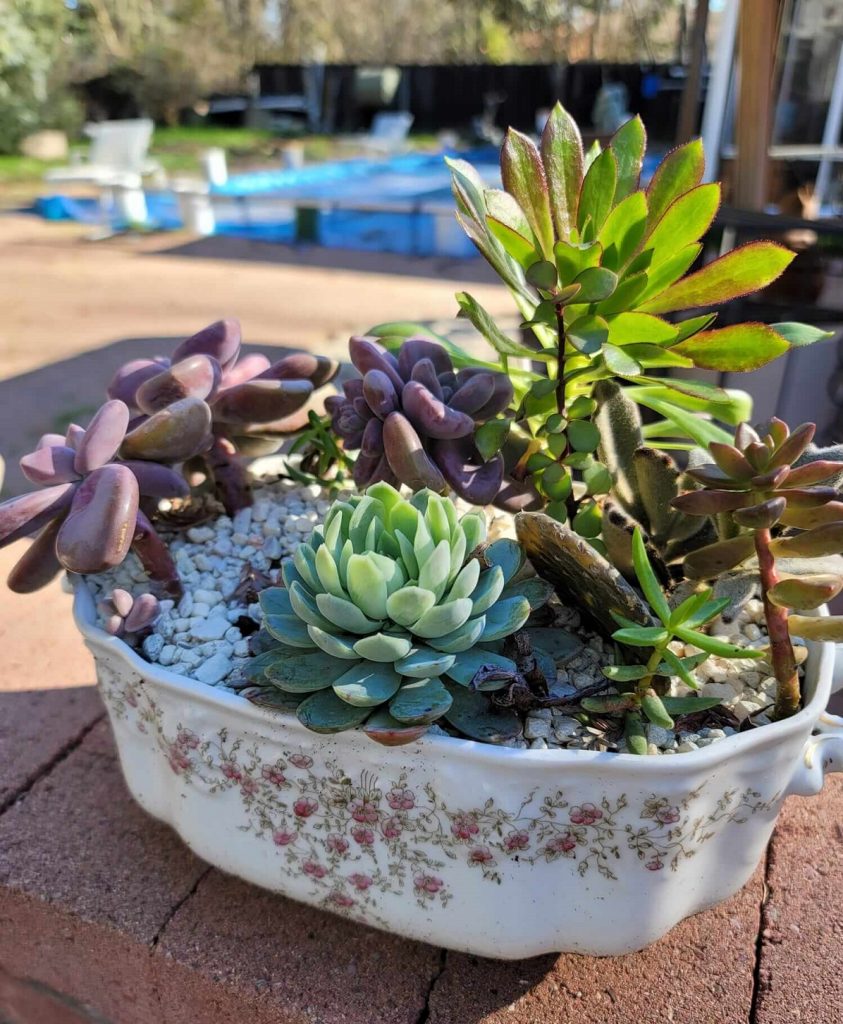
493	851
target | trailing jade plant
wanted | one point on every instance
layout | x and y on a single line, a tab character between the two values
597	267
754	484
643	701
248	406
386	616
87	513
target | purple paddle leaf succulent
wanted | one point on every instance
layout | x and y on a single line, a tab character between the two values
87	512
218	406
413	418
124	614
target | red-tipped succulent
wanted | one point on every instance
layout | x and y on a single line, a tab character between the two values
413	418
87	512
248	406
124	614
757	484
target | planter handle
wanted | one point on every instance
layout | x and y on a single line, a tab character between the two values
837	675
822	754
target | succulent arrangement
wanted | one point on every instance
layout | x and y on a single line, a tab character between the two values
633	502
385	613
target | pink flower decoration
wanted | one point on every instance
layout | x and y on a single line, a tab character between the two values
654	864
586	814
392	827
428	884
667	815
364	811
361	882
179	761
303	808
187	739
231	770
363	836
340	899
301	760
516	841
273	774
563	843
310	867
480	855
249	786
130	698
283	838
336	843
464	826
401	799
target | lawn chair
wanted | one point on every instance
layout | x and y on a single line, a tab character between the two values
388	133
117	148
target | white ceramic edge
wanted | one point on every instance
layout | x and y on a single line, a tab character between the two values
821	655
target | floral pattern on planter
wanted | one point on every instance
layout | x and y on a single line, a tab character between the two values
355	838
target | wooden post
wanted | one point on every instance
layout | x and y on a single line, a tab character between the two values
688	109
757	37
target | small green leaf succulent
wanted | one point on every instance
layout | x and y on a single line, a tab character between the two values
386	610
682	623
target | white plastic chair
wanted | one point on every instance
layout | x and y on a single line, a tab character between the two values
117	148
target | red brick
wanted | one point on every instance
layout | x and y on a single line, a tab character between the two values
236	952
801	964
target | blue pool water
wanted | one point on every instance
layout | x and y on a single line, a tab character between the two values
400	205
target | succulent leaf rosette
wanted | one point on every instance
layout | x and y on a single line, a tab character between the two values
413	419
87	512
250	404
387	615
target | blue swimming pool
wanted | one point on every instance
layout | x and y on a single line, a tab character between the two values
400	205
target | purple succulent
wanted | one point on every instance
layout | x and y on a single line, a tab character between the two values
124	614
87	510
413	419
253	404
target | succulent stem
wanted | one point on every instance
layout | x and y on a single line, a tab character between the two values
561	401
230	478
155	556
781	649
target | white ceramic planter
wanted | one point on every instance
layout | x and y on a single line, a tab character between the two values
498	852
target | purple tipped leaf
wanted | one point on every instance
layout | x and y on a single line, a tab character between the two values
247	368
24	515
474	394
472	479
39	563
790	450
145	610
367	354
379	394
173	434
518	497
261	401
221	340
372	441
195	377
121	601
303	366
416	348
50	465
98	530
157	481
125	383
425	373
432	417
407	458
155	557
73	437
102	437
50	441
365	469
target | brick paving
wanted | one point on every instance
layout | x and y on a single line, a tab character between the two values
107	918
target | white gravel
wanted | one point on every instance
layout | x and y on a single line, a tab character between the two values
205	635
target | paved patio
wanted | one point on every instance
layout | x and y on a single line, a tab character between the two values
106	918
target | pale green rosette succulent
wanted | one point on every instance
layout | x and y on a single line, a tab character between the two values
389	612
